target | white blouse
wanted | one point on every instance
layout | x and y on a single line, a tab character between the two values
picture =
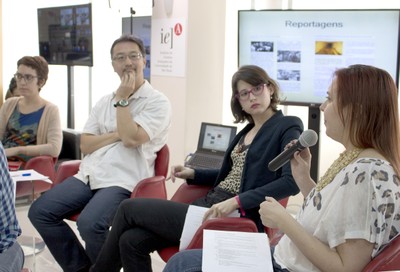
362	202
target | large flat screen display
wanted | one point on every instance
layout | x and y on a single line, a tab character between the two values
65	35
302	48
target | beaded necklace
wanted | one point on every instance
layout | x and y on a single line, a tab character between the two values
344	159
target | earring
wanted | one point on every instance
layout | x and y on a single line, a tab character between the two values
272	97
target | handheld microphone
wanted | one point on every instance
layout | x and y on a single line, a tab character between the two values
307	138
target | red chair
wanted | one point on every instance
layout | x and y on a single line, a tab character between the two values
388	259
153	187
44	165
189	193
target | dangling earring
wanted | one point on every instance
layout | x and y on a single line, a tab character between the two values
272	97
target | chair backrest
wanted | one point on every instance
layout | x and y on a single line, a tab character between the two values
162	162
71	145
154	187
42	164
388	259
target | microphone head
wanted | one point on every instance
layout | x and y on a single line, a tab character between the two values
308	138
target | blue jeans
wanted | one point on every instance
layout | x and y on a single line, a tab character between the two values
12	259
191	260
185	261
48	212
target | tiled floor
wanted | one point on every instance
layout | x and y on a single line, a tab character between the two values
44	261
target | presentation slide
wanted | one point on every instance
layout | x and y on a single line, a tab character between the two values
301	49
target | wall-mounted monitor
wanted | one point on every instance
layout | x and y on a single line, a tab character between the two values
65	35
302	48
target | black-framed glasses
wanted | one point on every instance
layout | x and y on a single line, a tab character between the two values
122	58
244	94
27	77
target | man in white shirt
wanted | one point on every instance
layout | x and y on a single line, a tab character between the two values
120	139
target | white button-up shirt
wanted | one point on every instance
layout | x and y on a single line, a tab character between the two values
115	164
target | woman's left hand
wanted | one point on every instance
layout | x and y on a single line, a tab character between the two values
272	213
221	209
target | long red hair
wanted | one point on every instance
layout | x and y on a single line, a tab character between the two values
369	97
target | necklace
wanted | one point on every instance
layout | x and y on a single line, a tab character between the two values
240	146
246	140
344	159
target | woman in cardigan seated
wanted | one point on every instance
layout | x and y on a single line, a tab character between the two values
29	125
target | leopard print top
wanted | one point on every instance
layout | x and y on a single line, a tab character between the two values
233	180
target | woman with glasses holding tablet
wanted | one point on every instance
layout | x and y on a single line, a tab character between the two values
29	125
143	225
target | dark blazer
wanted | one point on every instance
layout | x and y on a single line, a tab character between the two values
257	181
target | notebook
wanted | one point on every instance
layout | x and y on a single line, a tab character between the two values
214	139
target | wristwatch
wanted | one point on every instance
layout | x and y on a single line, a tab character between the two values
121	103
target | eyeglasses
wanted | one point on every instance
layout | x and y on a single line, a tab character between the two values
122	58
27	77
244	95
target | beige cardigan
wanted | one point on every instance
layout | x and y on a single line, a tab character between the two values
49	133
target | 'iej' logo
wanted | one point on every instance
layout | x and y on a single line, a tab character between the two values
167	37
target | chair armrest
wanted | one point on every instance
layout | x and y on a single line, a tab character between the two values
66	169
223	223
153	187
188	193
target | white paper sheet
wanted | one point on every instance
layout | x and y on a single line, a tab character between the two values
193	220
232	251
28	175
